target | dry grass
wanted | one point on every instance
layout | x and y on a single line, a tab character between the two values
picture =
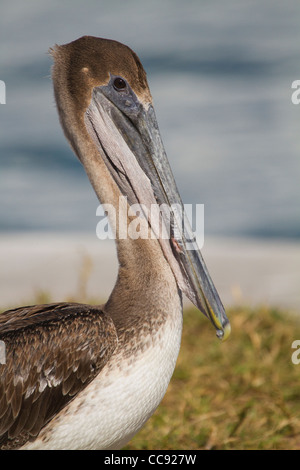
241	394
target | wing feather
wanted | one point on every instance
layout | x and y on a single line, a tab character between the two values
52	353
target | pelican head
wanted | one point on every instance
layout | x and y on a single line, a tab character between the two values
108	116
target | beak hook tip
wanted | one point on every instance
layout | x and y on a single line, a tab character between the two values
224	333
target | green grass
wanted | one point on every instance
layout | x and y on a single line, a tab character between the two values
240	394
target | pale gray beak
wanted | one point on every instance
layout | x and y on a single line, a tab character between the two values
141	169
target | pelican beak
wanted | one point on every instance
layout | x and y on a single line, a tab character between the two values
140	167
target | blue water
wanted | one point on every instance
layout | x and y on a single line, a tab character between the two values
220	75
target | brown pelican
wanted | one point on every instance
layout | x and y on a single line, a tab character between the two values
88	377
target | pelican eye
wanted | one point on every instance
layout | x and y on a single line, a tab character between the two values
119	84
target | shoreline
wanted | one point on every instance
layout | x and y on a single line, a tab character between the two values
79	266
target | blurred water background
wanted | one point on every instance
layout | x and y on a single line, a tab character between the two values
220	73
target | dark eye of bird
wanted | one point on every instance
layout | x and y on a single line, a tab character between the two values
119	84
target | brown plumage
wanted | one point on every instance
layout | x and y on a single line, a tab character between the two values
42	373
54	351
79	376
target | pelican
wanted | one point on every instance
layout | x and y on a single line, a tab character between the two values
88	377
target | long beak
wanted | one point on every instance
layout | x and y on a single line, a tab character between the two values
140	166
